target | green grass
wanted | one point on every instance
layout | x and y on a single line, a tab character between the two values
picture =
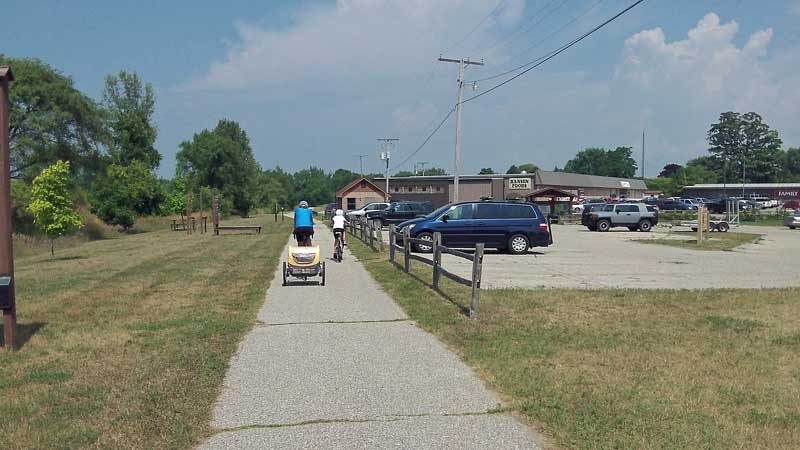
625	369
717	241
126	341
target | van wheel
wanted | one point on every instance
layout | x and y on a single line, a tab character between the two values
603	225
518	244
645	226
422	248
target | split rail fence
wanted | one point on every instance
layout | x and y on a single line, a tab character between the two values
371	233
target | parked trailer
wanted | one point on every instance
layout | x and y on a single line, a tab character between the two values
713	225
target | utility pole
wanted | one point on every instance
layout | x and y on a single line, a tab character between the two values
7	296
361	163
643	154
387	145
422	166
462	63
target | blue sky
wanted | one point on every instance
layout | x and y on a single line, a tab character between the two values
317	82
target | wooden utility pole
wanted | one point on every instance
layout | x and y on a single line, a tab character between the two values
9	304
462	64
215	213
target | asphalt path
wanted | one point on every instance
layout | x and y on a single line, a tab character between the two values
342	367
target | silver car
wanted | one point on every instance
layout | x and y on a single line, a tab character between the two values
792	221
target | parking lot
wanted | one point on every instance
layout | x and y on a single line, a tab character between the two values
583	259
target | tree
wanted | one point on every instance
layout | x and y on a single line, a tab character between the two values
599	161
126	192
403	174
130	106
222	159
748	150
522	168
486	171
275	186
435	171
312	185
51	205
791	166
52	121
669	170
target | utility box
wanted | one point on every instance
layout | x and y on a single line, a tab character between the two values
5	291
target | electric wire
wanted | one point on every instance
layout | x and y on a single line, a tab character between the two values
522	25
536	44
485	18
555	53
427	139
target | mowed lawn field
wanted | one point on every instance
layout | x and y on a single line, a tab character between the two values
126	341
625	369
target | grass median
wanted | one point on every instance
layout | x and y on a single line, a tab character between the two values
716	240
625	369
125	342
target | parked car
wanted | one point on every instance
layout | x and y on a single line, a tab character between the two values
635	216
398	212
674	205
792	221
505	225
360	212
578	207
792	204
588	210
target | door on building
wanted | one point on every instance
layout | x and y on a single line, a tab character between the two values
351	203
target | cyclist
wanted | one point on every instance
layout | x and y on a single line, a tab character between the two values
303	224
338	226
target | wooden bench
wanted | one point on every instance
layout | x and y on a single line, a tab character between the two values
257	228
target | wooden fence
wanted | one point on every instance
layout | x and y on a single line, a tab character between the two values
366	230
437	249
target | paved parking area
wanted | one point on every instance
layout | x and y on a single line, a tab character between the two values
583	259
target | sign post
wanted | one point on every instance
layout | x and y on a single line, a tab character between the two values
6	246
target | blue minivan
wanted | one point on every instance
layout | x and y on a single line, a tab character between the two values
505	225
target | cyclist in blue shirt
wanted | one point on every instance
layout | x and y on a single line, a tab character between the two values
303	224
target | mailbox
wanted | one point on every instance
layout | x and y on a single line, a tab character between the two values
5	291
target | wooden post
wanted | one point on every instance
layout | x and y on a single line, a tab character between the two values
202	217
392	241
406	249
362	225
215	214
379	238
6	246
437	258
369	235
276	212
477	269
189	218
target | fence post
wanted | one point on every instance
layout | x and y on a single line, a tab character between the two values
362	226
369	235
406	249
477	268
379	237
392	240
437	258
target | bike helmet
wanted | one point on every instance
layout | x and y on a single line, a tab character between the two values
304	204
339	212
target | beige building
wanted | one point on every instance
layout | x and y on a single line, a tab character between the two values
359	193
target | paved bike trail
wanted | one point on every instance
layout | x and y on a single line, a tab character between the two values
342	367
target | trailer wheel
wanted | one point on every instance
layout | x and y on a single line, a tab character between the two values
284	273
723	227
323	274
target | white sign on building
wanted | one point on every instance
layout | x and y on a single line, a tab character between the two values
519	184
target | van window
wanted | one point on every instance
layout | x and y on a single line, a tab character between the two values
460	212
520	212
489	211
627	208
608	208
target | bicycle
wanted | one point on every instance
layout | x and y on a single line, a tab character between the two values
338	246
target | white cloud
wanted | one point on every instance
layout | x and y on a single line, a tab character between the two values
355	40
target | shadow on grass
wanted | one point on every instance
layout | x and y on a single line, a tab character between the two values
24	333
463	310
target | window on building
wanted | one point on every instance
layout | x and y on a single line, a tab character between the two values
410	189
397	189
363	183
424	189
351	203
438	189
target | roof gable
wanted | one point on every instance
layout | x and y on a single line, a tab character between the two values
352	185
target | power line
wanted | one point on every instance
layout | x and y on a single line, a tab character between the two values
538	43
521	26
557	52
485	18
425	142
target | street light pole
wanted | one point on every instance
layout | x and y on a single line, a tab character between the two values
387	144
